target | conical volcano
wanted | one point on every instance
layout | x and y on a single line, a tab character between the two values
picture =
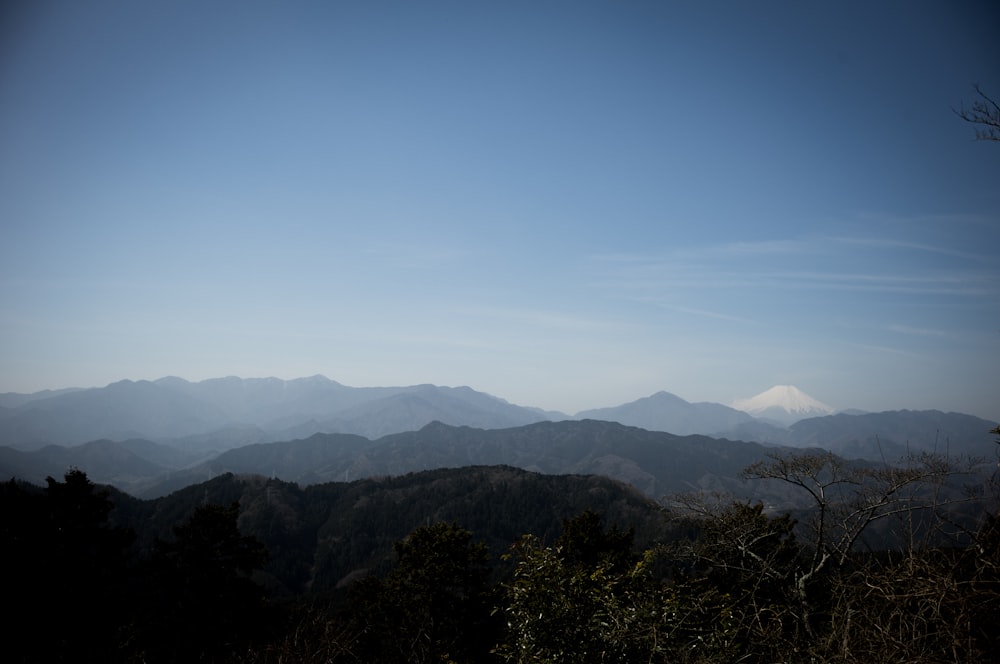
786	404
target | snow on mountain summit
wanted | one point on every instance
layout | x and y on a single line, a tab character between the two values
785	403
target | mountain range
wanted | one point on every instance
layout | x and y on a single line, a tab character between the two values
228	412
667	412
656	463
222	413
153	437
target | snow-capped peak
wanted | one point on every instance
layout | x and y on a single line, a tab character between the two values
785	403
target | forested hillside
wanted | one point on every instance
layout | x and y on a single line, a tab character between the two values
495	564
655	462
321	535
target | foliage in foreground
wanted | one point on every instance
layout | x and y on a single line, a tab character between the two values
734	582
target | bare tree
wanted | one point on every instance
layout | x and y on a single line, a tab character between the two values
848	499
888	562
984	113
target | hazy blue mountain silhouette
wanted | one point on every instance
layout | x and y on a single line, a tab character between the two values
667	412
654	462
16	399
228	412
129	465
149	437
893	434
119	411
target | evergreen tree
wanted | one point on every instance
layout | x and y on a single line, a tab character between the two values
65	571
201	601
434	605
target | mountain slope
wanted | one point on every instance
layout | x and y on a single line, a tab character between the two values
422	404
244	409
121	410
667	412
129	465
277	403
656	463
15	399
322	536
893	434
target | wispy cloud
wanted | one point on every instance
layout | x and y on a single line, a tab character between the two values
707	252
964	284
917	331
880	349
762	248
798	265
718	315
659	277
892	243
929	220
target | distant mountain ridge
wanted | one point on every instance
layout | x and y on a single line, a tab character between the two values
222	413
203	419
653	462
893	434
667	412
119	411
257	409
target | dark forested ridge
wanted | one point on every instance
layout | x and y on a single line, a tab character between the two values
322	534
151	573
499	564
655	462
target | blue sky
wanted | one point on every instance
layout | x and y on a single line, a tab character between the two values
566	204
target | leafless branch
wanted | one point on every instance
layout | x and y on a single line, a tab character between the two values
984	112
